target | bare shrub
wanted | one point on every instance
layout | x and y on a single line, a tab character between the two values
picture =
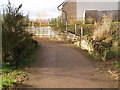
102	30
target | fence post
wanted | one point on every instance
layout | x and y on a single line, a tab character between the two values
75	29
66	25
81	31
50	33
43	30
57	22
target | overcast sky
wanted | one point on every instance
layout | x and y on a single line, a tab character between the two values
37	8
42	8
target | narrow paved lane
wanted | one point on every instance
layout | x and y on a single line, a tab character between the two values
60	66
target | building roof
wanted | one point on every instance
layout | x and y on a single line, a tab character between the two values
62	3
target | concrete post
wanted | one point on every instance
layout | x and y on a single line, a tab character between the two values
66	26
81	31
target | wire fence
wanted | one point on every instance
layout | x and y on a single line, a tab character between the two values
42	32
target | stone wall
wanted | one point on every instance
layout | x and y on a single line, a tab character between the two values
70	8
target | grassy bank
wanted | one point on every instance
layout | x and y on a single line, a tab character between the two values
13	75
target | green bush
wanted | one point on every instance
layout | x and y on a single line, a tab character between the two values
58	22
107	54
13	28
96	56
17	45
88	29
9	74
117	64
89	21
20	50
